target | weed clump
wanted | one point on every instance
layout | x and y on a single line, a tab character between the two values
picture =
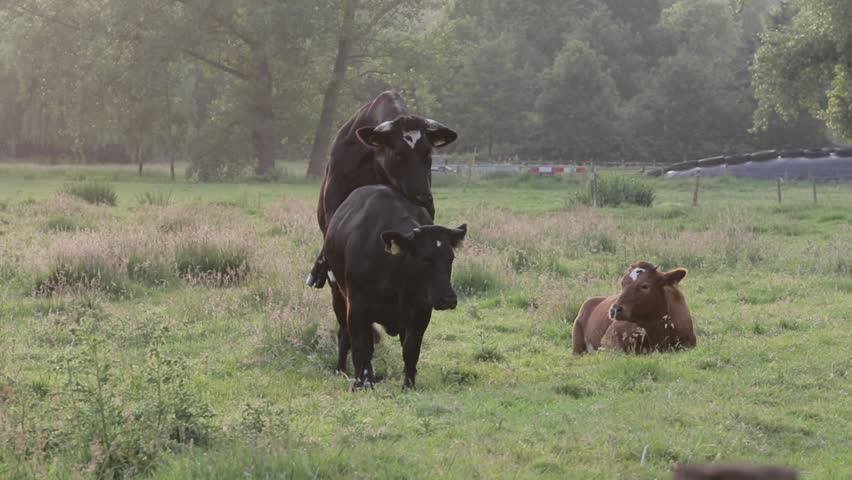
92	192
113	423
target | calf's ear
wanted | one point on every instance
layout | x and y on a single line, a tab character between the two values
675	276
439	135
397	242
457	235
374	136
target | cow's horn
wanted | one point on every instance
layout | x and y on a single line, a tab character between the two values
432	125
384	127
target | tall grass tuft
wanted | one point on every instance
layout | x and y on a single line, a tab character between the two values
154	199
62	223
81	273
475	279
206	261
153	272
93	192
614	190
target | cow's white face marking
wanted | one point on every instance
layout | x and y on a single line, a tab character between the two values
384	127
438	243
331	277
635	273
411	137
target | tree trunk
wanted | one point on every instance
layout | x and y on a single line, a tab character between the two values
172	166
139	157
322	137
263	130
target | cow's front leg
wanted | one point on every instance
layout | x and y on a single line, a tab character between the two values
417	325
362	355
343	341
410	355
361	333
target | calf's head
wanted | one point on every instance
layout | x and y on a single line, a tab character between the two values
404	154
643	296
428	261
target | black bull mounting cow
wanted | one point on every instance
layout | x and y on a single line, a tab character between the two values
389	265
380	145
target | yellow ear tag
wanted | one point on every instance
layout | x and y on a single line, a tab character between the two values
394	248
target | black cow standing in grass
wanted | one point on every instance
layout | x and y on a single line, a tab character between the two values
380	145
389	265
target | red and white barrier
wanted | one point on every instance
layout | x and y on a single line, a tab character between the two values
545	170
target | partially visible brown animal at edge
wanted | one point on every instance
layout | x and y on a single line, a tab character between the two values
733	472
649	315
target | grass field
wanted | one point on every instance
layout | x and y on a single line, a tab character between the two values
172	336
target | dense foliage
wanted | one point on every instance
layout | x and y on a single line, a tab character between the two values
234	85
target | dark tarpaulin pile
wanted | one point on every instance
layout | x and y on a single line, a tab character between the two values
820	165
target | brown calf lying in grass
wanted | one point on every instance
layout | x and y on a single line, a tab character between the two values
650	314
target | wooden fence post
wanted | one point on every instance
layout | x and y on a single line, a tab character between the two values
594	187
780	181
470	169
813	179
695	193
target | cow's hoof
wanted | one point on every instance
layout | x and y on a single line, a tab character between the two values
408	384
359	386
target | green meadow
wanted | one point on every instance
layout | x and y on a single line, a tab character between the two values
171	335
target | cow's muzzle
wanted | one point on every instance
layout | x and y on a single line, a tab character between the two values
447	303
616	312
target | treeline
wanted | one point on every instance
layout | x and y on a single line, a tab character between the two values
233	85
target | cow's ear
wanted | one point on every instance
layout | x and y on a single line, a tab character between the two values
457	235
675	276
396	242
439	135
372	137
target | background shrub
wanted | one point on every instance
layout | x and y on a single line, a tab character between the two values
613	190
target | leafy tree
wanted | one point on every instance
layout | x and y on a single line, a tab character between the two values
578	104
806	65
360	26
106	64
691	104
488	96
